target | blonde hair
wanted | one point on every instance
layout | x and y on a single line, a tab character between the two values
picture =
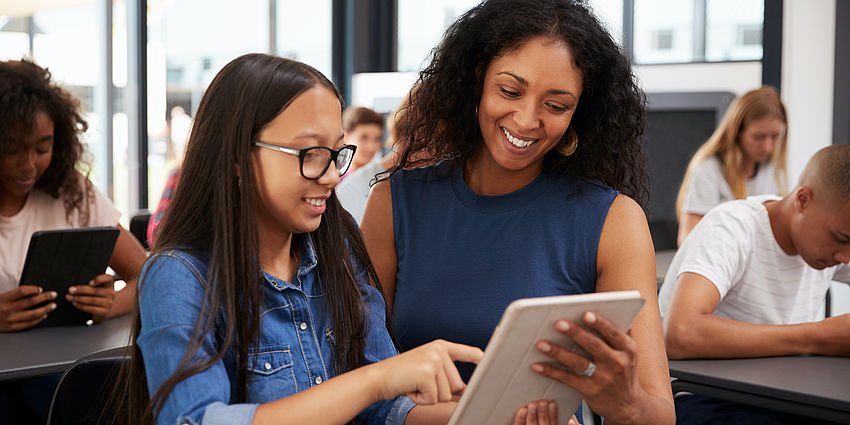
751	106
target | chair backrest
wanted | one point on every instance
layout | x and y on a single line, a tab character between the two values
139	227
84	388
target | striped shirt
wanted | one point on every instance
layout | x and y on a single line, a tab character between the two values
734	248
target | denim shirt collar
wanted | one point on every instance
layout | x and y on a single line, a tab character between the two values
306	264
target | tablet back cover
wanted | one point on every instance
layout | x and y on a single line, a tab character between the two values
58	259
503	381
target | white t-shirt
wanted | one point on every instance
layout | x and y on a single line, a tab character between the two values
43	212
734	248
354	189
708	188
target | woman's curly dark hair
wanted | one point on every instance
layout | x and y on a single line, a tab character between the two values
440	123
26	90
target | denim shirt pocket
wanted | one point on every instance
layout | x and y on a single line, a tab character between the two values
272	376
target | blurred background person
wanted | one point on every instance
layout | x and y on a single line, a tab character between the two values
746	155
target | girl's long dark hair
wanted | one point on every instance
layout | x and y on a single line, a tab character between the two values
25	90
441	122
213	214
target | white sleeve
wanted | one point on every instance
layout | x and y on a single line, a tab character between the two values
703	192
718	249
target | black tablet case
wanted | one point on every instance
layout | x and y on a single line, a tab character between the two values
59	259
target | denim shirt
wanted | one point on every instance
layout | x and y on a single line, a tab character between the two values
295	350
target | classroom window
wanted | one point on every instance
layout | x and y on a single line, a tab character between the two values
734	30
421	26
677	31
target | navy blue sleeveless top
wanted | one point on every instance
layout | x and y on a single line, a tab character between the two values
463	257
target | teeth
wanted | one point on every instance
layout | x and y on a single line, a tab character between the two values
315	202
518	142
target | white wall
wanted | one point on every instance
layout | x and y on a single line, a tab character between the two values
808	68
735	77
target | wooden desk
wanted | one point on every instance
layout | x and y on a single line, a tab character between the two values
44	351
812	386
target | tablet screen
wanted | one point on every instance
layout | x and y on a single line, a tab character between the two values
59	259
503	381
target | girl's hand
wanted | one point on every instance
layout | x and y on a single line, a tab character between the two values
95	298
426	374
541	412
613	388
14	315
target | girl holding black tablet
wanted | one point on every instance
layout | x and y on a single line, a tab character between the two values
41	188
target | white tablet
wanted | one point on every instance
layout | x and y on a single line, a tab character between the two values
503	381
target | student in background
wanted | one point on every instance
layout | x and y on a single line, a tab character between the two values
178	130
40	152
363	128
41	188
751	278
531	113
259	303
354	190
745	156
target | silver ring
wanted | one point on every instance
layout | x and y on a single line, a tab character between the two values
591	369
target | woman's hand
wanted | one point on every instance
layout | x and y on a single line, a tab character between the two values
609	380
425	374
14	315
540	412
95	298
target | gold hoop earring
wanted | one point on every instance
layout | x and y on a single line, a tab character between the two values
570	145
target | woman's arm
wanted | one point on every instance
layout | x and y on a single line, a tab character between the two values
687	222
626	261
379	236
631	384
99	297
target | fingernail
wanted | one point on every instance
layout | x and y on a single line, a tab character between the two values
52	306
537	368
590	317
562	325
69	297
533	407
53	294
91	283
544	346
72	289
40	289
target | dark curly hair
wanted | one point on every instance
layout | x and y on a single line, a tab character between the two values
609	120
26	90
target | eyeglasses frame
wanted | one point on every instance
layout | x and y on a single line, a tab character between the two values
300	153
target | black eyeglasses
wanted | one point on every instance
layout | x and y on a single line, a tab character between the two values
315	161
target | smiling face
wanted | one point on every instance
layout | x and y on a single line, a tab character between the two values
289	203
24	162
759	138
528	99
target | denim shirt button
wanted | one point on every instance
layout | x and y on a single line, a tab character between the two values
268	366
303	326
318	380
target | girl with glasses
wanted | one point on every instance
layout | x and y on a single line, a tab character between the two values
259	304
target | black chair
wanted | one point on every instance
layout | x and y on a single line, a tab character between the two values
85	387
139	227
